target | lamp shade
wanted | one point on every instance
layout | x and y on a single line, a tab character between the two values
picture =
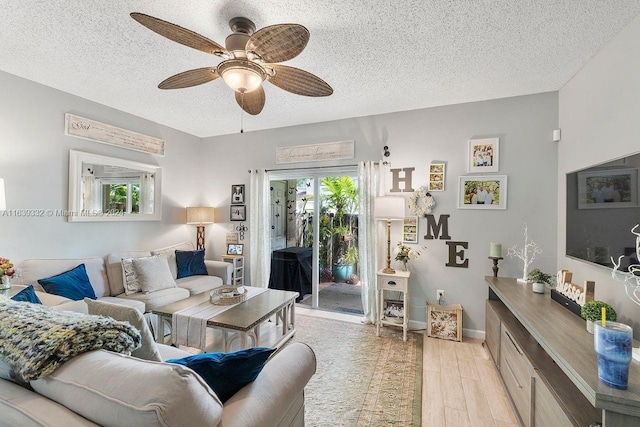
200	215
3	202
389	207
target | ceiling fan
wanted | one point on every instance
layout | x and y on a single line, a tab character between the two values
249	58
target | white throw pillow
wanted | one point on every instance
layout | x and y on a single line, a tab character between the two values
129	277
111	389
153	273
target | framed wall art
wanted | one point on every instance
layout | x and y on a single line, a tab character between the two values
410	230
612	188
238	213
444	321
482	192
237	194
483	155
436	177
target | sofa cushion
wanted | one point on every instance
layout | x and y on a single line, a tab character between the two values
108	388
199	284
148	350
170	254
130	277
138	305
73	284
34	269
159	298
226	373
27	295
153	273
190	263
114	268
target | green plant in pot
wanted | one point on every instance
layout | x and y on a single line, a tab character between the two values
592	311
540	279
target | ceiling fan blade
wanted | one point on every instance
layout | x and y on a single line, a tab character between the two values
190	78
298	81
253	101
278	43
178	34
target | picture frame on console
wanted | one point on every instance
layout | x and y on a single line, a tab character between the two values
482	192
238	213
235	249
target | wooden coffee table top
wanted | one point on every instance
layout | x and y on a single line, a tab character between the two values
253	311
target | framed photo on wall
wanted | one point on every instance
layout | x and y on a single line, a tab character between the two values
436	177
235	249
237	194
410	230
238	213
613	188
482	192
483	155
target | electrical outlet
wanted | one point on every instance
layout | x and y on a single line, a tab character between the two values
440	294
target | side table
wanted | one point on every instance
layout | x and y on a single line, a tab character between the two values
237	276
393	282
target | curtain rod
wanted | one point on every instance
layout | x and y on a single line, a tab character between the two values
310	167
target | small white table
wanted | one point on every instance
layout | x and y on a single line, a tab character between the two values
397	282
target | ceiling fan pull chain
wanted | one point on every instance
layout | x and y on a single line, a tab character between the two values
242	115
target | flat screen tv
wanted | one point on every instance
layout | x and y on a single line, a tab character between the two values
602	208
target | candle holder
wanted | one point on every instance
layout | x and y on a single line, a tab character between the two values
495	264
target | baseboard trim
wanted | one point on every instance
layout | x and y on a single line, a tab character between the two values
415	325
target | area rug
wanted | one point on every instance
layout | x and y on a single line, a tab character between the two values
341	297
361	380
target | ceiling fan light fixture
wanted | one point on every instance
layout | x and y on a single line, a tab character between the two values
241	75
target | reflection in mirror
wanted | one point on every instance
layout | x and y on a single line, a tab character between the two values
108	189
602	208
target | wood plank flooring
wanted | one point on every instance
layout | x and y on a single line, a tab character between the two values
460	386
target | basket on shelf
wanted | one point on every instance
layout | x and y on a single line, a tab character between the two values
228	295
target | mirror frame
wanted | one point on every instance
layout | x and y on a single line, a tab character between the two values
77	158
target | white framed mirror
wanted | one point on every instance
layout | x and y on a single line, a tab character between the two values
105	188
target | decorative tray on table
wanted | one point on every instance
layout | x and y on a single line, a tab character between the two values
228	295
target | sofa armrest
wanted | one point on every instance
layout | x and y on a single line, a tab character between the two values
269	398
221	269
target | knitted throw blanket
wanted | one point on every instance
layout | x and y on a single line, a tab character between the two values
35	340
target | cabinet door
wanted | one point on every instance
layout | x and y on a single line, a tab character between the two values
547	410
492	331
516	372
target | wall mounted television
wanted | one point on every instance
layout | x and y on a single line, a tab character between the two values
602	208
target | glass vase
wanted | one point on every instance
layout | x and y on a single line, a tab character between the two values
5	283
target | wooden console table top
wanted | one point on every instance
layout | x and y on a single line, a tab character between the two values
564	337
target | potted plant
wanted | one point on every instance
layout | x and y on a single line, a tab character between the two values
592	311
539	279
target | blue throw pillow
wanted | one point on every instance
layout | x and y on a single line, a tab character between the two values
28	294
190	263
73	284
226	373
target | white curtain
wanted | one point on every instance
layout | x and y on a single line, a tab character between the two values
369	184
147	187
90	193
259	232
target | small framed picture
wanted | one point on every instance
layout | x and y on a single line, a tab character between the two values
237	194
436	177
482	192
483	155
238	213
444	321
410	230
394	308
235	249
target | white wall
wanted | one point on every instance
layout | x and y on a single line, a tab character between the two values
599	112
35	161
415	139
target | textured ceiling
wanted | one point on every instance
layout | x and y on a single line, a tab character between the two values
378	55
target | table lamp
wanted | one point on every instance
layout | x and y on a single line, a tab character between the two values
200	216
389	208
3	202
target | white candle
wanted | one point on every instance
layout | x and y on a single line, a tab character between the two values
495	250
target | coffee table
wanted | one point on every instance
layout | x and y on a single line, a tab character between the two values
241	320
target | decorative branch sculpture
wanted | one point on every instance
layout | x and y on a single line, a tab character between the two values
527	254
631	277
